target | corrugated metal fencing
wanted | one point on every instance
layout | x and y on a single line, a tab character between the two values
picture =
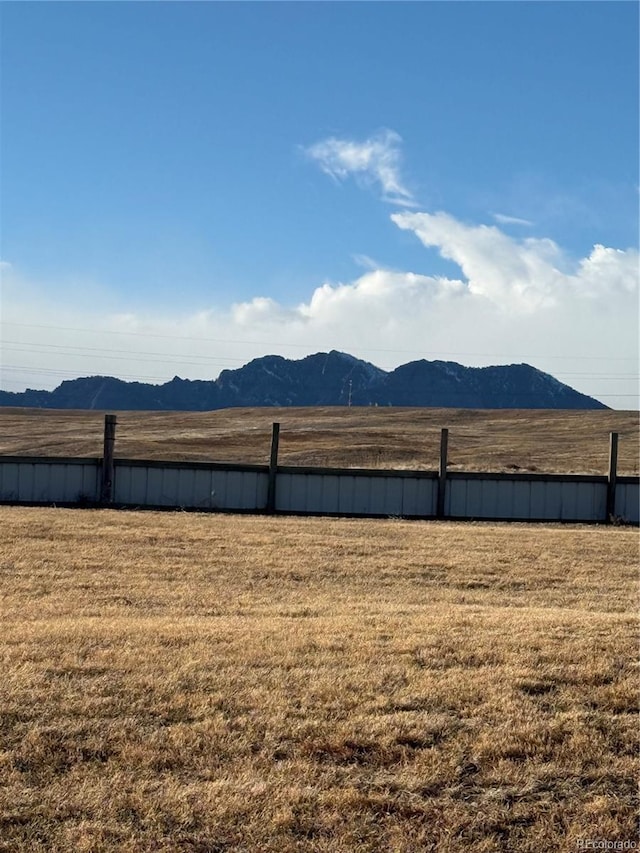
309	491
25	479
356	492
627	506
191	486
320	491
513	496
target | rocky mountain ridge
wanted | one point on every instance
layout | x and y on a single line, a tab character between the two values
323	379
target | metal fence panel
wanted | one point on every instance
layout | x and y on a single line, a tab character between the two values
427	496
202	486
330	492
124	487
590	501
49	482
490	494
251	490
458	499
167	494
191	488
393	496
43	478
362	494
305	491
628	502
346	493
355	494
410	500
218	490
513	499
9	481
521	500
377	496
185	491
537	493
82	482
568	501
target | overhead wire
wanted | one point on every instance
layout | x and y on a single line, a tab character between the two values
301	346
178	359
198	360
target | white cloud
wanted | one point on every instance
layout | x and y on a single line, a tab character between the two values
607	273
521	275
503	219
376	160
259	310
515	300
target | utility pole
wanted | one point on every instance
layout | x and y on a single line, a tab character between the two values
350	389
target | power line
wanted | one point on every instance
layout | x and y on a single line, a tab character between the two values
304	346
17	346
73	373
177	359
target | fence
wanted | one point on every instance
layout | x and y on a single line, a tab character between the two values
271	488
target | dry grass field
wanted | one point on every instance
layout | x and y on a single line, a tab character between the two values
479	440
181	682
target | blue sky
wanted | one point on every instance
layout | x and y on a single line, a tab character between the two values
186	186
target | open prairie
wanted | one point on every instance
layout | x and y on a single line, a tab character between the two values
481	440
181	682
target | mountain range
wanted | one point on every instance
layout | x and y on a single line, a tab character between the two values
324	379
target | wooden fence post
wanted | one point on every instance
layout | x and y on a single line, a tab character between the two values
442	472
108	468
273	468
612	477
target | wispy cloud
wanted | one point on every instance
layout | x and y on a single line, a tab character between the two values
503	219
366	262
376	160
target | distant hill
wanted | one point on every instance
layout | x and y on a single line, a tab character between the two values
323	379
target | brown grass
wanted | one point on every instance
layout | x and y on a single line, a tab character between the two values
481	440
181	682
